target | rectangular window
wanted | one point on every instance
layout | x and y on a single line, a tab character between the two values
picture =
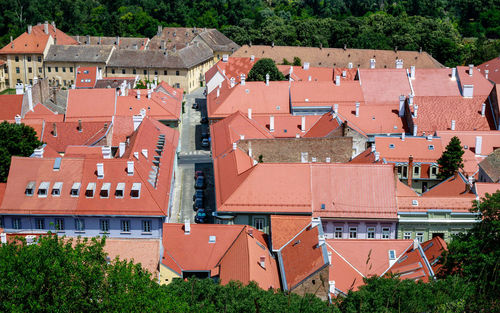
64	82
43	189
123	71
353	232
104	226
49	69
29	59
386	232
434	171
416	170
420	236
30	188
120	190
407	235
145	72
64	69
1	222
135	192
39	59
31	82
16	223
112	71
259	223
156	72
165	72
71	69
59	224
30	70
176	73
79	224
371	232
146	226
39	223
39	70
405	171
56	69
338	232
392	254
18	70
105	190
134	71
17	58
125	226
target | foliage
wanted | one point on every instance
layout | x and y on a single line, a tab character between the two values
451	159
142	84
297	61
263	67
15	139
286	62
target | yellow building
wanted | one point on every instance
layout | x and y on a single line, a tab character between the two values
4	78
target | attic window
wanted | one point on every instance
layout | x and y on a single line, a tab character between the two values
56	189
75	189
105	190
43	190
120	190
414	202
402	259
211	239
392	254
392	146
30	188
89	192
135	193
431	147
277	107
323	206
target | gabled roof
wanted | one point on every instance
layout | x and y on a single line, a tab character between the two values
493	66
74	133
372	119
217	41
450	187
394	149
287	126
42	112
143	251
384	86
325	93
491	165
414	264
77	53
123	42
482	86
90	104
285	227
233	68
435	83
10	106
86	77
323	126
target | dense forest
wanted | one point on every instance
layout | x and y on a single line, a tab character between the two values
453	31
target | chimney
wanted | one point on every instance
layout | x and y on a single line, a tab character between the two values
414	130
357	109
53	25
309	78
160	29
377	156
30	97
117	40
121	149
225	58
344	73
46	27
306	66
271	123
412	72
138	94
483	109
349	65
38	153
345	129
252	58
374	148
249	113
18	119
479	143
403	136
337	80
267	79
410	99
486	72
454	73
19	89
402	105
429	137
88	39
303	124
54	130
399	63
187	226
130	167
242	79
372	63
162	45
471	69
30	28
453	123
415	111
150	91
415	244
218	93
468	91
235	145
106	152
331	286
100	170
345	47
233	82
336	108
250	149
410	171
330	261
262	261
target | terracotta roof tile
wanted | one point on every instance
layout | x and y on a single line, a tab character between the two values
10	106
453	186
41	112
493	66
323	126
394	149
483	188
491	165
299	73
285	227
68	133
86	77
384	86
143	251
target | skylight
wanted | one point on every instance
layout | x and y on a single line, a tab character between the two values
431	147
392	146
392	254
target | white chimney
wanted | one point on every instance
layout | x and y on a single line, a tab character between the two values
267	79
30	97
374	148
100	170
121	149
309	78
321	240
235	145
106	152
415	111
454	73
262	261
329	257
349	65
38	153
19	89
130	167
242	137
468	91
233	82
249	113
414	129
187	226
252	58
410	99
399	63
150	91
218	93
377	156
403	136
331	285
453	123
145	153
306	65
18	119
46	27
479	143
344	73
372	63
337	80
303	124
401	106
250	149
30	28
271	123
412	72
471	69
486	72
225	58
483	109
242	78
357	109
138	94
429	137
415	244
336	108
3	238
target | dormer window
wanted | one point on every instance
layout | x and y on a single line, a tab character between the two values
30	188
56	189
75	189
120	190
105	190
89	192
135	193
43	190
431	147
392	254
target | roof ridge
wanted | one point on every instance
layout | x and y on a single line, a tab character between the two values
345	260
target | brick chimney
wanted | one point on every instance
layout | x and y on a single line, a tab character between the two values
54	130
410	171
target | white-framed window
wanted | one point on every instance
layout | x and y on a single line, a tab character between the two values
104	226
120	190
370	232
125	226
392	254
146	226
59	223
259	223
43	190
407	235
135	192
16	223
386	232
338	232
39	223
420	236
353	232
79	224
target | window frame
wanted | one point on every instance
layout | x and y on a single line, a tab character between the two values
125	226
353	232
79	225
407	235
16	223
371	230
147	226
420	236
386	232
104	222
39	223
338	232
261	221
58	222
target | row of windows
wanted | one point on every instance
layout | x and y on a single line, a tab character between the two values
418	235
56	69
39	58
134	71
80	225
30	70
403	171
353	232
44	188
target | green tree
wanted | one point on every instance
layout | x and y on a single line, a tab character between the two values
263	67
451	159
297	61
15	139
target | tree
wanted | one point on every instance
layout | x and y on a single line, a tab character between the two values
15	139
297	61
451	159
263	67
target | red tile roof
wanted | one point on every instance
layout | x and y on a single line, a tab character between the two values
41	112
285	227
372	119
483	188
323	127
453	186
83	152
394	149
323	93
384	86
123	127
435	82
482	86
143	251
233	68
86	77
493	66
10	106
36	41
287	126
316	73
90	104
68	133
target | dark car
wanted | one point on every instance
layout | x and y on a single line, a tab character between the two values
201	216
204	132
198	194
198	204
204	120
205	143
198	173
200	182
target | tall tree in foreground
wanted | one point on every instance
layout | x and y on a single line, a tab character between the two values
263	67
451	160
15	139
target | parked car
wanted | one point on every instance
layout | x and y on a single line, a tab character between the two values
198	204
204	132
204	120
200	182
201	216
198	173
198	194
205	143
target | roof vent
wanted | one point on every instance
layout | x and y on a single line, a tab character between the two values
187	227
100	170
331	285
414	202
56	189
211	239
130	167
262	261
